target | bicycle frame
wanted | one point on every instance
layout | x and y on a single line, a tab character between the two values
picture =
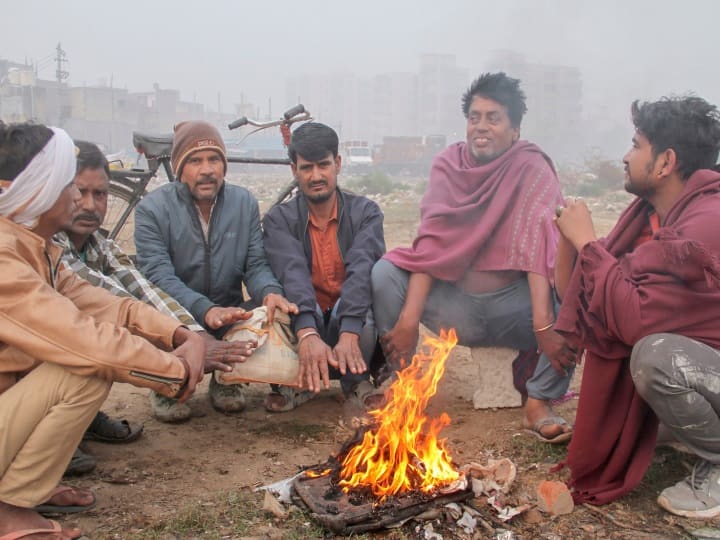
130	185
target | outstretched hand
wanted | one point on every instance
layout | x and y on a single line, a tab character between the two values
221	355
190	349
217	317
400	343
275	301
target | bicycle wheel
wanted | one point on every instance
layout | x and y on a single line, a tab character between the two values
120	217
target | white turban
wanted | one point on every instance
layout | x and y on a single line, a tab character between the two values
38	186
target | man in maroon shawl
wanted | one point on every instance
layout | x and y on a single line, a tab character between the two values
483	258
644	303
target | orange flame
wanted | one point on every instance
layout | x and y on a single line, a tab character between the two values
402	452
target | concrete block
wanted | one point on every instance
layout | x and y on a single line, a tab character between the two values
495	387
554	498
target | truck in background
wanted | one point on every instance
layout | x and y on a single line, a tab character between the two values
356	157
408	155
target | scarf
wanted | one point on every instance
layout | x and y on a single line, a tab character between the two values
496	216
36	189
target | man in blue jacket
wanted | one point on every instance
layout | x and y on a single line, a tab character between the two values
322	245
199	240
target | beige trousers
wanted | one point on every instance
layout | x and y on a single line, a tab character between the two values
42	421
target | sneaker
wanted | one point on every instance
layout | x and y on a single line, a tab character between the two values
697	496
81	463
168	409
226	398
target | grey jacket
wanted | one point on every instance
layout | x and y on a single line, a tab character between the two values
173	254
361	243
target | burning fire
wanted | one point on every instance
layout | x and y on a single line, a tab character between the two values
402	452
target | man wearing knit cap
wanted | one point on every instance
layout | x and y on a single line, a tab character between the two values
62	341
199	240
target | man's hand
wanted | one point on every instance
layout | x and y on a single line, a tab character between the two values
223	354
400	342
314	356
575	223
217	317
558	351
275	301
190	349
347	355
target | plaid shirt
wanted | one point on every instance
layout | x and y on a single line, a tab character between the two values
105	265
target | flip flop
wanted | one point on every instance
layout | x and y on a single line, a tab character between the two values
17	535
560	438
105	429
47	508
292	398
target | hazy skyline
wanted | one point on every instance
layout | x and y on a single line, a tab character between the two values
625	50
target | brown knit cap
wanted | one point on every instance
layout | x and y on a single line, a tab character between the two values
192	136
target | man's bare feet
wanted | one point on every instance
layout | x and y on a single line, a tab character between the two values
539	417
14	519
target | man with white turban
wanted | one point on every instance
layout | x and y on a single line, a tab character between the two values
62	341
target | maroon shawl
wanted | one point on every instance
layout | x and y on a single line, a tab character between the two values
496	216
618	295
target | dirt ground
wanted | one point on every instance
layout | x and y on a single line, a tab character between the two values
166	484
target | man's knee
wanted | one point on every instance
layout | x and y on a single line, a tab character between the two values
648	357
380	276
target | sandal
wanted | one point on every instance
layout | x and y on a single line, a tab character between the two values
291	398
80	463
366	397
105	429
560	438
50	508
55	529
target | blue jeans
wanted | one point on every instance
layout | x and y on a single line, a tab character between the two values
501	318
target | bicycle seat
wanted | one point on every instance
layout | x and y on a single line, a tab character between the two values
153	145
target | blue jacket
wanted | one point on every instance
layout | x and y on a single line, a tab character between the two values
361	241
173	254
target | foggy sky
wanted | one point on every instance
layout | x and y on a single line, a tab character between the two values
624	49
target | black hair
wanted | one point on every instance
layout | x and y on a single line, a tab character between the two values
19	144
689	125
501	88
90	157
313	141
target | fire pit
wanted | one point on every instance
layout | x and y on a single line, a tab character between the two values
346	513
396	467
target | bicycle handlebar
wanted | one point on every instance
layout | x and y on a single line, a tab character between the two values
298	113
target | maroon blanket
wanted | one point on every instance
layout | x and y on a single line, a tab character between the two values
618	295
496	216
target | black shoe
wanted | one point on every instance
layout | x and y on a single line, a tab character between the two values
81	463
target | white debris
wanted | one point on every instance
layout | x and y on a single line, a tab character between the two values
281	489
467	522
430	534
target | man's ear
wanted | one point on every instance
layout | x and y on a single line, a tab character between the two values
666	162
293	168
516	134
338	162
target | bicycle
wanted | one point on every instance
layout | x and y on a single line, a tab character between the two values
129	186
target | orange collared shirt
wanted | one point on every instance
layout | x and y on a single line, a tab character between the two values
649	230
328	268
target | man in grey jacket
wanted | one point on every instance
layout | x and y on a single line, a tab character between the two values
199	240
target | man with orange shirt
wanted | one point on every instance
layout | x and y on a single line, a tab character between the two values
322	245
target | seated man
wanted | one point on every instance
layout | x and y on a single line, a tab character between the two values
644	303
199	240
62	341
482	261
322	245
101	262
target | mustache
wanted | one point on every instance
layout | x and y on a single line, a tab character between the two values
87	216
207	180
